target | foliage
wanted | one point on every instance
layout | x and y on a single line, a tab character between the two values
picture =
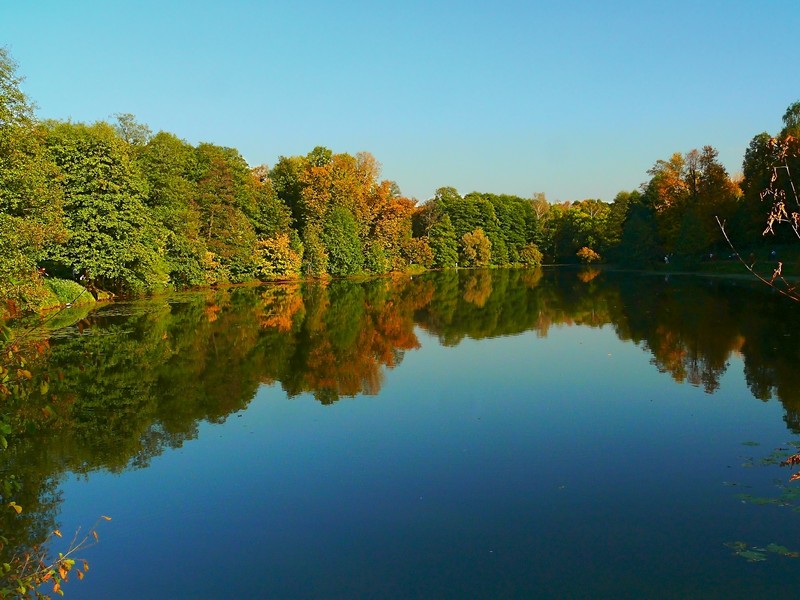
779	158
28	566
28	571
277	259
114	242
476	249
170	166
68	293
417	251
31	216
340	236
587	255
443	243
129	211
530	256
227	200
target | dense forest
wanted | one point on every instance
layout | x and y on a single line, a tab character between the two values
124	211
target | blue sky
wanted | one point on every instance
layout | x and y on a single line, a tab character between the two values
576	99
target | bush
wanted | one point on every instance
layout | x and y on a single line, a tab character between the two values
587	255
65	291
276	259
531	256
476	249
340	237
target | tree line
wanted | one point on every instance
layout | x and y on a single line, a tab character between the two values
123	210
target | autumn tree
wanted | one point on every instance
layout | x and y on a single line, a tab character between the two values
476	249
686	193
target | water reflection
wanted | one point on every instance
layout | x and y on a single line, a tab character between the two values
127	382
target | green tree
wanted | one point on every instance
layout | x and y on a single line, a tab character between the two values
228	204
444	243
640	244
272	217
114	243
285	179
340	236
530	256
31	217
170	165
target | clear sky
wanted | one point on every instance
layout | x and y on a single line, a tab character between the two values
576	99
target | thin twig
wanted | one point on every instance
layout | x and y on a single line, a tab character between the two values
777	272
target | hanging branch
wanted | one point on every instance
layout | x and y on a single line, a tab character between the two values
778	214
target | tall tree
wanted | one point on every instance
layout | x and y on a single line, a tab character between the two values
31	217
170	164
115	243
227	201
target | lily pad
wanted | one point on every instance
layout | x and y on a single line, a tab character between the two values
752	555
737	546
782	550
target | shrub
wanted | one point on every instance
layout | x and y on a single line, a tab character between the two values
531	256
588	256
65	291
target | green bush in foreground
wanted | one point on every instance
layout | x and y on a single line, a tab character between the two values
65	291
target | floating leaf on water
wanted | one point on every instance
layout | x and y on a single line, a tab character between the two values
776	458
778	549
764	500
737	545
760	500
752	555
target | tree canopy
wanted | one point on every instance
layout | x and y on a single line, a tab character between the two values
126	210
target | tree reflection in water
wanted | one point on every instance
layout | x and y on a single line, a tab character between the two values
129	381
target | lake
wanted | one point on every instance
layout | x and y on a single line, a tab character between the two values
559	433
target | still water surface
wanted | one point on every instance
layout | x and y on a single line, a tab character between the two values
498	434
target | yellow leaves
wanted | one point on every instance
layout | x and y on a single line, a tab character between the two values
96	537
105	518
24	374
57	533
80	575
15	506
276	259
